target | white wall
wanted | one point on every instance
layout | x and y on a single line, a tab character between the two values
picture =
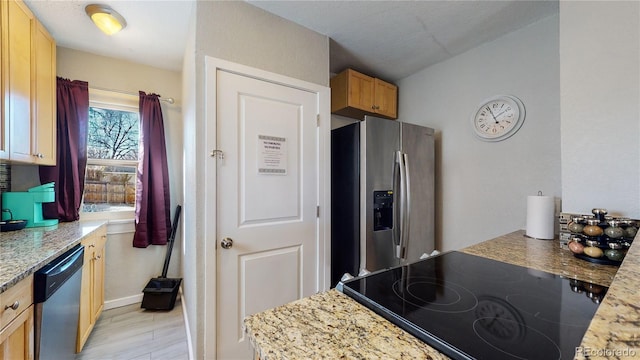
192	223
128	269
600	98
244	34
481	187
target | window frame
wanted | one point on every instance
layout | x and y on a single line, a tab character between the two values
111	100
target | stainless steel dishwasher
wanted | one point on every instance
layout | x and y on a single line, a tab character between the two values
56	297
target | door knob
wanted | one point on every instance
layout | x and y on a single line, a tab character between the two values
226	243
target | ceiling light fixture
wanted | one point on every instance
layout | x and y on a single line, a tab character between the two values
105	18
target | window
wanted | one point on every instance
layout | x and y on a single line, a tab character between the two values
112	151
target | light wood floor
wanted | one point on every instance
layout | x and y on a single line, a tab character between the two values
130	332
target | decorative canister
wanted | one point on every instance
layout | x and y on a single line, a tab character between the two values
614	231
592	228
576	224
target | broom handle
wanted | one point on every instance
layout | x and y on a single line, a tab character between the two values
172	236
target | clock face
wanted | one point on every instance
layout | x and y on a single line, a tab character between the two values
498	118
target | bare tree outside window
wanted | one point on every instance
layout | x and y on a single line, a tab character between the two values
112	149
113	134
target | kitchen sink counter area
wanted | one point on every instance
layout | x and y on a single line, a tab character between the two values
25	251
332	325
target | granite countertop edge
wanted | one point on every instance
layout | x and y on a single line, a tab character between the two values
24	252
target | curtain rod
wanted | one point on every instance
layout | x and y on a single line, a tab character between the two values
168	100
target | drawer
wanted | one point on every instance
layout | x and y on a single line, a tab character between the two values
20	296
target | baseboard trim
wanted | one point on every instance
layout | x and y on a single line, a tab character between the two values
186	324
116	303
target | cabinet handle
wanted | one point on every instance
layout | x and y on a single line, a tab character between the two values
97	257
39	155
92	245
13	306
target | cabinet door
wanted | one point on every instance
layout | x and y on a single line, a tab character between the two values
92	290
386	99
43	126
16	339
361	90
19	89
97	301
85	323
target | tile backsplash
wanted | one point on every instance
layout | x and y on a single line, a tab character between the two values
5	177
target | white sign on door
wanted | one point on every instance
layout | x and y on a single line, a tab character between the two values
272	155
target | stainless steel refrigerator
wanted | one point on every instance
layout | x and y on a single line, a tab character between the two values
382	201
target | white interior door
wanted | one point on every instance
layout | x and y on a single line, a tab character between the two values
267	191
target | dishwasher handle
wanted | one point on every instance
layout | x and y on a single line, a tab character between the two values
53	275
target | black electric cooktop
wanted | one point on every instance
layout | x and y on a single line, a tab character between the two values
469	307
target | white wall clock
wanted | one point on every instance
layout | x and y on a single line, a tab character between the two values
498	118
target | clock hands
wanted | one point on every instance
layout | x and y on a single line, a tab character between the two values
500	113
492	115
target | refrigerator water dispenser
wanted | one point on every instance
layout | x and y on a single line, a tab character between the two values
382	210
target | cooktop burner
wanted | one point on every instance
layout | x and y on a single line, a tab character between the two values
419	292
469	307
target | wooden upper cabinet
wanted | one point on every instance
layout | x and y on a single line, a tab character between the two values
360	91
28	87
18	92
43	124
355	95
386	101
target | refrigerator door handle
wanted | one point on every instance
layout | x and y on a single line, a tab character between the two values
403	205
407	201
397	219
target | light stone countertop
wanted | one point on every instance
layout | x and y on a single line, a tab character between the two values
24	252
614	332
331	325
544	255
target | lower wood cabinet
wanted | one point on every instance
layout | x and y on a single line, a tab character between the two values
92	289
16	339
16	321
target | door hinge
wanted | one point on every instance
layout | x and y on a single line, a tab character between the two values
318	211
318	120
218	154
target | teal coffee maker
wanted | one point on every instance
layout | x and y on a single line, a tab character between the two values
28	205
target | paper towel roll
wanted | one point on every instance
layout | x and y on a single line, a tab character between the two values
540	216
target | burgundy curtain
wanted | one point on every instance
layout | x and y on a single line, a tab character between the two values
152	191
71	155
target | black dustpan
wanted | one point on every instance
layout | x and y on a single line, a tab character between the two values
161	292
